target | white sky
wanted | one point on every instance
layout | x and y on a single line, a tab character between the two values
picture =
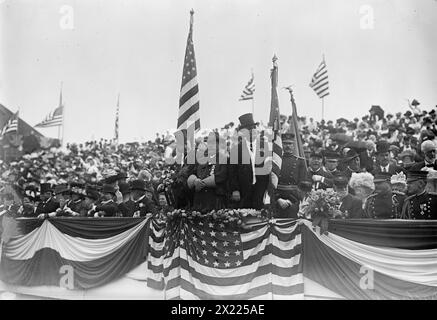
137	48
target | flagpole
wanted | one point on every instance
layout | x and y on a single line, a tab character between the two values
63	116
323	108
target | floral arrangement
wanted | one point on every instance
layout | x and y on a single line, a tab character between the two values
229	216
319	206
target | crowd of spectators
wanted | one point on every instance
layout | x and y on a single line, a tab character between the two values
105	178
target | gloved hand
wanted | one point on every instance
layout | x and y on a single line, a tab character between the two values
236	196
283	203
317	178
199	185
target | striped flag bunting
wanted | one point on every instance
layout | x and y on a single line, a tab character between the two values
319	82
189	95
207	258
11	125
248	90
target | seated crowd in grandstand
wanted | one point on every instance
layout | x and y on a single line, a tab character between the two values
381	166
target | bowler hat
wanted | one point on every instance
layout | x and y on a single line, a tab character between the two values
247	122
382	147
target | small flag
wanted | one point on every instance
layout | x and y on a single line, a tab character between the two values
319	82
11	125
248	90
54	118
189	96
116	118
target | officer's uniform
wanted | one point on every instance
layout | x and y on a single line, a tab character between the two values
422	206
379	206
293	171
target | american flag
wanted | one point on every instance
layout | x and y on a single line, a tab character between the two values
248	90
209	259
54	118
116	119
274	123
319	82
11	125
189	95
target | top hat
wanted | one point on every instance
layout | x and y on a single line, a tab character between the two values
138	185
416	175
46	187
61	188
382	177
382	147
288	136
247	122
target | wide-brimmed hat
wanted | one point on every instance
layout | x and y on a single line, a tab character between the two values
247	122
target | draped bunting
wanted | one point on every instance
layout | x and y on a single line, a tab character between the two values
276	257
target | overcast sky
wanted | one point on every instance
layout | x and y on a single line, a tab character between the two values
136	48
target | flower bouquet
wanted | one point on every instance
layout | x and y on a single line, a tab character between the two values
319	206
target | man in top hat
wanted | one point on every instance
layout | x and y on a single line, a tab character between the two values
383	203
142	204
428	148
350	205
383	160
246	188
420	204
106	206
321	178
293	171
48	203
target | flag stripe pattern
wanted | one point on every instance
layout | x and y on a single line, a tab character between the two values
319	82
53	119
207	260
275	125
11	125
248	90
189	96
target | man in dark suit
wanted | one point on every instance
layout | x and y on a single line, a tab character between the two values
428	148
142	204
351	205
48	203
383	163
331	162
246	188
321	178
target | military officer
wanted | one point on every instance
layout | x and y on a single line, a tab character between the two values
331	163
321	178
293	171
383	203
420	204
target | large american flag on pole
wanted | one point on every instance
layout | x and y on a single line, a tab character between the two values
210	259
319	82
54	118
189	95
